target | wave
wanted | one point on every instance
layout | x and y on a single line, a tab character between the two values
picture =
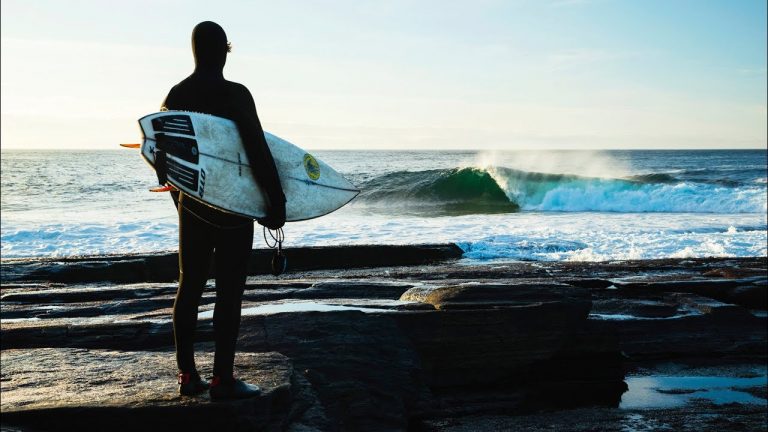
501	189
459	190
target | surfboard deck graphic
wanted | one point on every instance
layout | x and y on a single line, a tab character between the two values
203	156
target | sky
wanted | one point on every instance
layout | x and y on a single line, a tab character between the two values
428	74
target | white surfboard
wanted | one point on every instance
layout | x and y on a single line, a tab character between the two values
205	159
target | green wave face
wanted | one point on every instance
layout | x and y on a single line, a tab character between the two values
445	191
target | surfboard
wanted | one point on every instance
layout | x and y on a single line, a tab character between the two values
203	156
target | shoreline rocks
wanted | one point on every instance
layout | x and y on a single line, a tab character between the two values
165	267
378	348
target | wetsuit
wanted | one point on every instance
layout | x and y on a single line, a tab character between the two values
203	229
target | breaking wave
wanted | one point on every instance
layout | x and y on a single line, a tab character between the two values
500	189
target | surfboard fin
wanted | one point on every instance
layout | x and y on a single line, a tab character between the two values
133	146
166	188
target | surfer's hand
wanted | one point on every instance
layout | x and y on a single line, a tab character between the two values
271	223
275	218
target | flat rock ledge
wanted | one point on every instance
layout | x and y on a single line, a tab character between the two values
426	347
165	267
82	389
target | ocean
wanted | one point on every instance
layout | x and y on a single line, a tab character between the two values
497	206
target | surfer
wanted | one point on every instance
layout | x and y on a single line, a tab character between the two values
203	229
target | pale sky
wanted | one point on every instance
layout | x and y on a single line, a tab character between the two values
482	74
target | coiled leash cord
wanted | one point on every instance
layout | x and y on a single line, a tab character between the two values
279	261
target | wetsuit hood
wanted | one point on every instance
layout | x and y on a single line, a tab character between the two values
209	45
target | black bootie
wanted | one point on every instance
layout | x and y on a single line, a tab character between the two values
190	384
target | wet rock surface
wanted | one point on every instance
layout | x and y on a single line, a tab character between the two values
65	388
440	346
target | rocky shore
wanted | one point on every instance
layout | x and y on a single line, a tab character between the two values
393	338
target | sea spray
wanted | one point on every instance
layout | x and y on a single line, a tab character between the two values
595	164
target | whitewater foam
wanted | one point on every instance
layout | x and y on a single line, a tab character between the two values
547	192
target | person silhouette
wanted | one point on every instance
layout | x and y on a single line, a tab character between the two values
203	229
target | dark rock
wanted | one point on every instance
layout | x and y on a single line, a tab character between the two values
375	370
85	334
314	258
748	292
364	371
128	270
752	296
729	272
165	267
688	285
761	392
711	307
490	347
87	294
730	334
588	370
76	389
644	308
589	283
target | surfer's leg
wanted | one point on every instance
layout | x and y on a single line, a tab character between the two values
195	249
233	251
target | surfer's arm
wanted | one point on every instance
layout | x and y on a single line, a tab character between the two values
261	160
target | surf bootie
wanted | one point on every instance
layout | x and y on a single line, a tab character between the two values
190	384
232	389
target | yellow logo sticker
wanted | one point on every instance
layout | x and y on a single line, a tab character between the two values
311	167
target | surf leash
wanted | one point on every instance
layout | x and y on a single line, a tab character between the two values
279	261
